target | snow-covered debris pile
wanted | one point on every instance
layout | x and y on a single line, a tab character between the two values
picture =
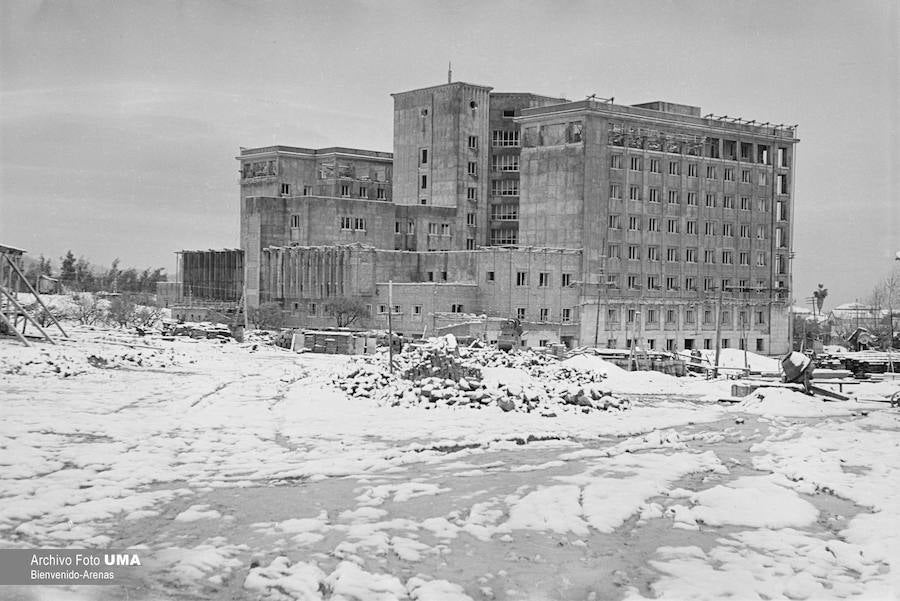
437	361
364	379
66	362
567	373
547	398
532	362
200	329
442	374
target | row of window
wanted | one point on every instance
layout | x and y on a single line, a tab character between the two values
315	310
416	310
504	212
505	187
504	138
543	314
655	282
688	343
673	255
346	191
505	162
672	283
504	236
670	316
362	192
637	163
613	315
438	229
543	280
357	224
711	199
710	228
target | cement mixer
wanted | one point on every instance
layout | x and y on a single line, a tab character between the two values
798	369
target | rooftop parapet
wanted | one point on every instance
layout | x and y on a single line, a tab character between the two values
332	150
677	114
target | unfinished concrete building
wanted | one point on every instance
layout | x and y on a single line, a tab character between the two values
591	222
684	221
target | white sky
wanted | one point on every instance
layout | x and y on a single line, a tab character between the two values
119	121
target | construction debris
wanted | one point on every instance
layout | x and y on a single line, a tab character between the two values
70	362
442	374
202	329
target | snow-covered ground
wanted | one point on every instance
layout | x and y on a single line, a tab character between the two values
242	472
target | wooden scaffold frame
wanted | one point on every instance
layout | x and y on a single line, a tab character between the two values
13	315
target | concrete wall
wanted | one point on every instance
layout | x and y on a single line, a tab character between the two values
211	275
551	202
455	283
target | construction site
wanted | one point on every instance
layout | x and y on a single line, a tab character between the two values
345	409
588	222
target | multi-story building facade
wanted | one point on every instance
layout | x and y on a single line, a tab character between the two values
684	221
334	172
591	222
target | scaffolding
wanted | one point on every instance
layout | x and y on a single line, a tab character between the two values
15	317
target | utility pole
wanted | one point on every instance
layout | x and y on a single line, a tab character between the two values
718	333
601	285
744	339
390	326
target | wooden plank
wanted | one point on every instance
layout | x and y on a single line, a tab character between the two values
26	315
11	328
828	393
36	295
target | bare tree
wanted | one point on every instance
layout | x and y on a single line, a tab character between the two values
87	309
883	300
346	310
45	314
268	316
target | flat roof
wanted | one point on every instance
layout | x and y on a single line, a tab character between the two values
444	85
12	249
210	250
531	95
331	150
480	249
709	122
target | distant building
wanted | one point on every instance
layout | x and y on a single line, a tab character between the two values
588	221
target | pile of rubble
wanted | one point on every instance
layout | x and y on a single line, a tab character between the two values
546	398
442	374
148	359
364	379
67	362
532	362
436	362
202	329
570	374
